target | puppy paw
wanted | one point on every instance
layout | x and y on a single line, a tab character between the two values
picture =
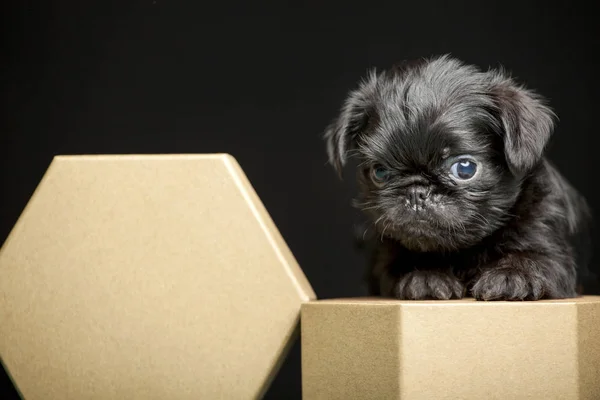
507	283
428	285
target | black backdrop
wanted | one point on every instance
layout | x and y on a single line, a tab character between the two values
261	83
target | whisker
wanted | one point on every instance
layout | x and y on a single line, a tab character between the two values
383	232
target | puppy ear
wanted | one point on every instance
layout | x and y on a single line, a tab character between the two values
527	124
341	134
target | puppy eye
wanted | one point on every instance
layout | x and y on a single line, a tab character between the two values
464	169
380	174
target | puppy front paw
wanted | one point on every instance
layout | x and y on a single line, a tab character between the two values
428	285
508	283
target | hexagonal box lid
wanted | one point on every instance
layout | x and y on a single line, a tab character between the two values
146	276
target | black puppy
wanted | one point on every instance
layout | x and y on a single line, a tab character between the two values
453	177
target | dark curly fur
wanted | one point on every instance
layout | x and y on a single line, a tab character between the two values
506	234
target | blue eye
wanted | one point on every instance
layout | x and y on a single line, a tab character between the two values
380	174
464	169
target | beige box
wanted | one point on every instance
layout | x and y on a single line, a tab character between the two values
451	350
146	277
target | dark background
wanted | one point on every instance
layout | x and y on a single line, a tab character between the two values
261	83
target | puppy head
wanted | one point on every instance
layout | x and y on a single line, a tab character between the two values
442	147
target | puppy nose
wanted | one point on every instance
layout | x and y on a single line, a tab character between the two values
417	196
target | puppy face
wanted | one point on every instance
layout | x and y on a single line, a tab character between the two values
442	148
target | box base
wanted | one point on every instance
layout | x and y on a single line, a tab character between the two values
366	348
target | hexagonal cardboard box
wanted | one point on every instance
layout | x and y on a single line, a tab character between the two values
447	350
146	276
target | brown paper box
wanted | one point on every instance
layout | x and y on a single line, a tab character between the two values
455	350
146	277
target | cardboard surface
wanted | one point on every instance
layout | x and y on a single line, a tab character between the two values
146	277
460	349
